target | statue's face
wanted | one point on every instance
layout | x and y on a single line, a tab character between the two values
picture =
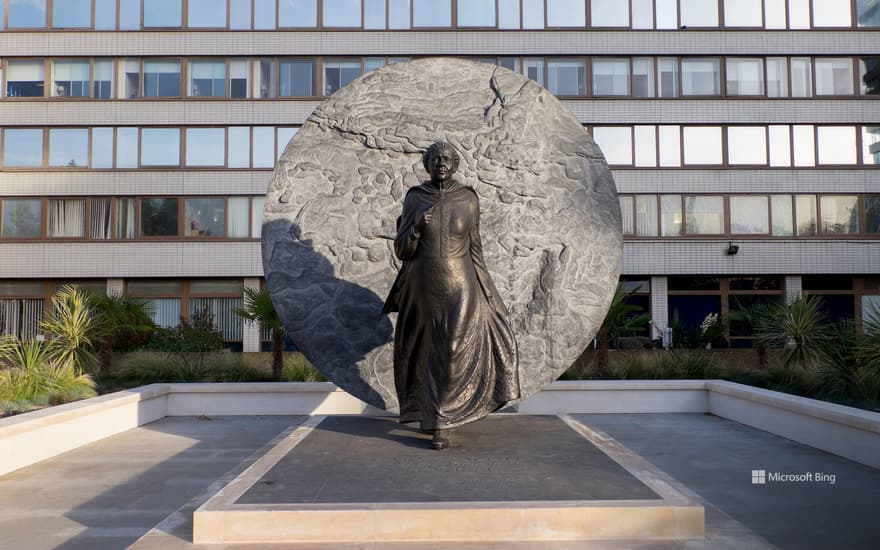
441	165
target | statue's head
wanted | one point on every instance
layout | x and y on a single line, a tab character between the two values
440	153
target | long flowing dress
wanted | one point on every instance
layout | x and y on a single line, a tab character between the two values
455	356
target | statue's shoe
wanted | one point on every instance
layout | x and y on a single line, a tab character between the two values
441	440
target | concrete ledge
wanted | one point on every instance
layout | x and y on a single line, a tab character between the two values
618	396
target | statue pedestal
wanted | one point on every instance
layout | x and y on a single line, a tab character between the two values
506	478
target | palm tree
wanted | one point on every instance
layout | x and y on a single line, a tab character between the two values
124	321
799	327
622	318
258	307
72	329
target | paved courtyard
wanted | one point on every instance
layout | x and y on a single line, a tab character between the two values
138	489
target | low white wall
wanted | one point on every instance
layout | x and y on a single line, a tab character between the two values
618	396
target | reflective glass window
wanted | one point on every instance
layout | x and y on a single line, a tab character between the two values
341	13
869	76
774	14
704	215
699	13
508	14
566	77
238	210
68	147
26	14
609	13
70	78
834	76
511	63
204	217
264	147
239	151
670	145
162	78
162	13
780	145
398	14
801	77
476	13
257	205
298	13
804	145
66	218
160	147
206	13
702	145
126	147
23	147
872	214
25	78
102	83
566	13
297	77
239	14
645	145
205	146
745	76
642	14
534	69
159	217
616	143
374	14
284	137
610	76
105	15
338	73
533	14
646	215
742	13
871	144
265	78
700	76
868	13
667	14
805	215
749	215
264	14
643	77
837	144
238	78
131	74
782	214
670	215
129	15
747	145
840	214
798	14
432	13
207	78
373	63
102	148
71	14
831	13
22	218
667	77
777	77
626	214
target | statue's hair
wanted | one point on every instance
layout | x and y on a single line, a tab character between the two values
436	148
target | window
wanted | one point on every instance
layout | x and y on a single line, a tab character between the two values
777	77
125	218
834	76
239	151
871	144
801	77
869	76
745	76
699	13
240	14
162	13
749	215
374	14
284	137
70	78
66	218
99	218
68	147
780	145
297	77
238	78
774	14
264	14
798	14
646	215
206	14
102	148
23	148
205	146
804	145
831	13
338	73
71	14
836	144
533	14
566	13
265	75
432	13
868	13
160	146
610	13
298	13
159	217
264	147
102	85
840	214
667	73
747	145
237	217
782	214
205	217
872	215
105	15
805	215
670	145
670	215
476	13
643	77
207	78
702	145
257	205
164	297
21	218
667	14
566	77
610	76
645	146
508	14
25	78
700	76
534	69
131	75
616	144
342	13
398	14
26	14
162	78
742	13
126	147
704	215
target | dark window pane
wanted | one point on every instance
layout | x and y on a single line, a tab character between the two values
692	310
25	78
872	214
755	283
826	282
297	77
205	217
159	217
162	78
869	75
838	307
740	302
21	218
868	13
339	73
694	283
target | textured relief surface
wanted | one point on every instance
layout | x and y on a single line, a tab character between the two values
550	218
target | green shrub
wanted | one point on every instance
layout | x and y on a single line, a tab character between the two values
150	367
297	368
185	338
230	367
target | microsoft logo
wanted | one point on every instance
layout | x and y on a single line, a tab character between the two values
759	477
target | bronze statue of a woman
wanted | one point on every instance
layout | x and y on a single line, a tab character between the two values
455	357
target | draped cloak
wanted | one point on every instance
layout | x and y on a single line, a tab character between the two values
455	356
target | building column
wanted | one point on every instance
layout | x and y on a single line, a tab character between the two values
250	334
115	287
659	307
792	288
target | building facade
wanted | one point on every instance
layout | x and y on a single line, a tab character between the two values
138	137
